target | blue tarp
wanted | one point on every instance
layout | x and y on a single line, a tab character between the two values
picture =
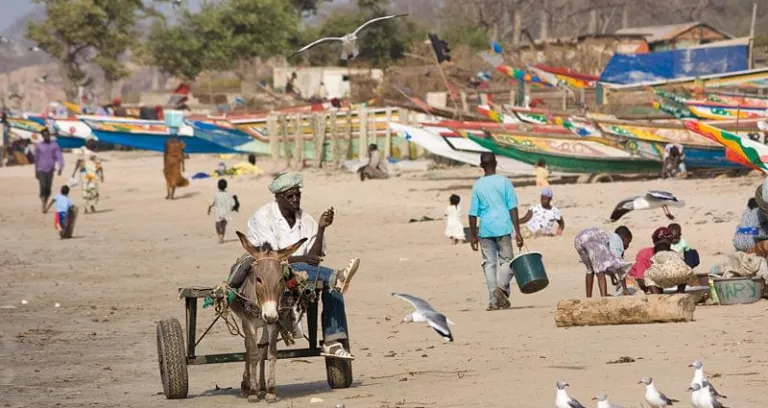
659	66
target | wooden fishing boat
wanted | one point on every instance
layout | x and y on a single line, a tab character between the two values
568	156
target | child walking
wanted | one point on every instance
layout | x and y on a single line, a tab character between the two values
224	204
454	229
64	217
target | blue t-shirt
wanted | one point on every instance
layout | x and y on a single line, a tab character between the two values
61	203
492	198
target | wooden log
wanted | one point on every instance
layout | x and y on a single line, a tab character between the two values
362	141
298	150
625	310
388	135
347	144
284	137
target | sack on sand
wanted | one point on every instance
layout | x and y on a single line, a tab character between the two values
668	269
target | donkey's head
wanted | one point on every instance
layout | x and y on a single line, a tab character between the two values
266	281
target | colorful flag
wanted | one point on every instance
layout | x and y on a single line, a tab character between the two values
751	152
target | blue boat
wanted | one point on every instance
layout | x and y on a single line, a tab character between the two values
708	158
150	135
221	133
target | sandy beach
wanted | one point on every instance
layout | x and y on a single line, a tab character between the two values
120	274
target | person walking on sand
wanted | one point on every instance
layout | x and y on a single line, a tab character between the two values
453	228
224	203
47	155
494	202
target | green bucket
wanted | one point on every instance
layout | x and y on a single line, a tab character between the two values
529	272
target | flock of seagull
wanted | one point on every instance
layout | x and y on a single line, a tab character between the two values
703	394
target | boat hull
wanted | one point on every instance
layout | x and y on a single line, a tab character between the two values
571	164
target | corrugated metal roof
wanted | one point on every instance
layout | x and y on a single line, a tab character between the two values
664	32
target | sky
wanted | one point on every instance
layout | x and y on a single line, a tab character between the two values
13	10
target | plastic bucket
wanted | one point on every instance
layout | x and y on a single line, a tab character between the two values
529	272
734	291
174	118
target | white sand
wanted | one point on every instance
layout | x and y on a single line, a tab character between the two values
120	275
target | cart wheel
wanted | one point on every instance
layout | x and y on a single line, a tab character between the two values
173	363
339	371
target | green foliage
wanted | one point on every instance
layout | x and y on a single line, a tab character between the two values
301	7
380	44
473	36
221	36
80	31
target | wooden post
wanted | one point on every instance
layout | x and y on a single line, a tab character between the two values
388	135
565	100
274	137
347	136
464	104
319	138
298	150
362	140
284	137
334	137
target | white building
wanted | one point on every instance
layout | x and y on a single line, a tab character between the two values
335	79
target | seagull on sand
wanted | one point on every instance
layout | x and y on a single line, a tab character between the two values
562	400
348	41
602	402
651	200
702	397
42	79
425	313
654	397
699	378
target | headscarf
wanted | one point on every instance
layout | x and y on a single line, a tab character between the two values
662	234
285	182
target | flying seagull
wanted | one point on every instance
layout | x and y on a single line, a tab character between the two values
699	378
602	402
654	397
651	200
425	313
562	400
348	41
702	397
34	48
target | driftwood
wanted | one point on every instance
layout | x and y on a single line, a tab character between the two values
625	310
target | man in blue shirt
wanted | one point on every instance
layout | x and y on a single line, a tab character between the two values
494	202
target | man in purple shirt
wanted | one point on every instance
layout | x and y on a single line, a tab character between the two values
47	154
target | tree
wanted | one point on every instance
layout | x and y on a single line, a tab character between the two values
221	37
77	32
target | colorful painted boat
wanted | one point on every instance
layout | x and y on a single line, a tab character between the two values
148	134
564	76
568	156
735	99
71	133
749	151
719	111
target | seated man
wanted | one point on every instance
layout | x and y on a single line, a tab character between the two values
282	223
541	218
376	167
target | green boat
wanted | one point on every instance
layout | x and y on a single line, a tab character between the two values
567	156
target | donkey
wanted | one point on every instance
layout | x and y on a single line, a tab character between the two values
257	306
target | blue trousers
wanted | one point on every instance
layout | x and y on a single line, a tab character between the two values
334	316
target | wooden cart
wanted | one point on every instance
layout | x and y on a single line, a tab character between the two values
175	351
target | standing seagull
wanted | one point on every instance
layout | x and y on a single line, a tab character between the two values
699	378
702	397
651	200
562	400
348	41
654	397
425	313
602	402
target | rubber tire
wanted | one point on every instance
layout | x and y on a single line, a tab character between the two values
339	371
172	359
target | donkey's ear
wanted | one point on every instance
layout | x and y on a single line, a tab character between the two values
286	252
247	244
